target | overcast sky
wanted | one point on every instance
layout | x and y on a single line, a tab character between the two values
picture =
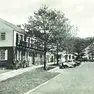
80	12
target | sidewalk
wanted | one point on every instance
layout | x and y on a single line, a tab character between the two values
6	75
13	73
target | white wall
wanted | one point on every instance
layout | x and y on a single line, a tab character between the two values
9	35
14	40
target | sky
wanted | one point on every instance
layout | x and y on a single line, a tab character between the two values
79	12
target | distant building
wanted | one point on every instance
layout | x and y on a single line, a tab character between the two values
67	56
50	57
89	52
16	45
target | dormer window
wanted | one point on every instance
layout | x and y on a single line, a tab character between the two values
2	35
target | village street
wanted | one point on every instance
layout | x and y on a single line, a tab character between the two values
47	47
79	80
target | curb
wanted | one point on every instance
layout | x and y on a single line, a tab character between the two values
32	90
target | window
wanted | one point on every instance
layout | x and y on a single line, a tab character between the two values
29	40
89	57
72	57
66	57
2	35
24	38
2	55
17	38
69	56
21	37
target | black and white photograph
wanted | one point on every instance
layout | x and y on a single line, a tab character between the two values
46	46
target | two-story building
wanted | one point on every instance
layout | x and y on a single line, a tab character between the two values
16	45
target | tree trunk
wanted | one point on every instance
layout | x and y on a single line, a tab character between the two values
57	54
54	58
45	67
45	61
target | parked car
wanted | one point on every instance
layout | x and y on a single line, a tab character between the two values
77	62
73	63
65	65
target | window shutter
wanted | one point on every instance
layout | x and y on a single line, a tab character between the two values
16	38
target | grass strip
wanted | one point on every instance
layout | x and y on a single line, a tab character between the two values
26	81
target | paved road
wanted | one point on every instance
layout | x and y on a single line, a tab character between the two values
79	80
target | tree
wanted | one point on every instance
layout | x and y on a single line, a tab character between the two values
49	25
81	43
61	31
68	45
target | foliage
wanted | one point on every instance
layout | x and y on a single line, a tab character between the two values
20	63
81	43
51	26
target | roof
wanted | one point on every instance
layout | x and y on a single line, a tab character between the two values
14	27
92	44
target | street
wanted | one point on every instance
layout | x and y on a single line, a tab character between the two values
79	80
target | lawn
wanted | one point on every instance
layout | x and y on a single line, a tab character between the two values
26	81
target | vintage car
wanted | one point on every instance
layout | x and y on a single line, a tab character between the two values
73	63
65	65
77	62
68	64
